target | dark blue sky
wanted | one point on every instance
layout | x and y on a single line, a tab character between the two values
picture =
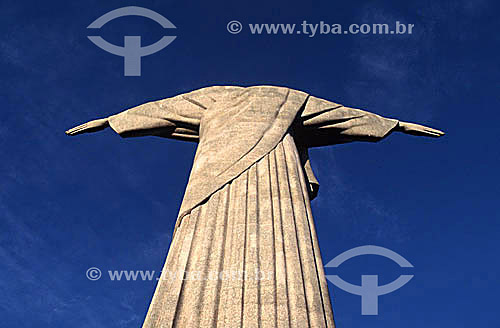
68	204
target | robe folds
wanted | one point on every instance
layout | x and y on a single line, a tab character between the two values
246	208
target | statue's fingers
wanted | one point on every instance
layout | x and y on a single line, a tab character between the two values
435	131
72	131
434	134
77	129
441	133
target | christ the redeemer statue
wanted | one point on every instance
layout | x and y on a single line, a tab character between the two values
244	251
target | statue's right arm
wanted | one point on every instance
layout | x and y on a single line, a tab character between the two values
176	117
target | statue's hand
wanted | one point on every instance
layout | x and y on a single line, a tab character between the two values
92	126
418	130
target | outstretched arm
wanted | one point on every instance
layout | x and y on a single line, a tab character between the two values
323	122
177	117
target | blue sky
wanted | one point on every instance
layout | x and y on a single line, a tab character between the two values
68	204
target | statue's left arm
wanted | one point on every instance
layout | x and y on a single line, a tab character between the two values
324	123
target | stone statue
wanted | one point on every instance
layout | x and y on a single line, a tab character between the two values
244	250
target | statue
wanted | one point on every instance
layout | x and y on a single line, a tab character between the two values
244	250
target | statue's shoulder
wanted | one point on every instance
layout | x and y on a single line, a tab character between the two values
223	92
279	91
216	90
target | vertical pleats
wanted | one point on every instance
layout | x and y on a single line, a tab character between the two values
248	256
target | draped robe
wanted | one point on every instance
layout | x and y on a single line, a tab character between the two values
245	251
